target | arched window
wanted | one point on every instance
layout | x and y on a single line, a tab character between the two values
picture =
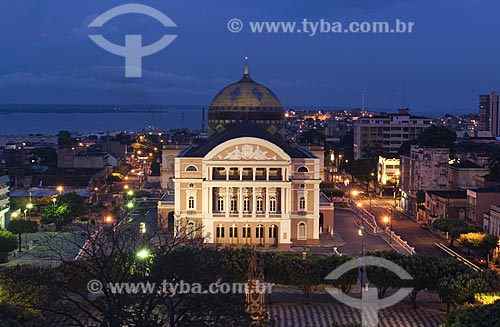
246	204
302	203
191	168
233	231
191	202
302	231
191	185
220	204
273	231
260	204
272	204
234	204
247	232
220	231
302	186
303	170
259	232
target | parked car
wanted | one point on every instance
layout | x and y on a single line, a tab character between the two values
424	226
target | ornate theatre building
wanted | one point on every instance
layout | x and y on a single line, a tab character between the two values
245	185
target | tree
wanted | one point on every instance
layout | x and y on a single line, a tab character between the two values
20	226
17	316
75	204
8	243
361	169
383	278
461	289
453	227
56	214
477	316
313	137
46	156
434	136
482	242
64	140
61	291
329	189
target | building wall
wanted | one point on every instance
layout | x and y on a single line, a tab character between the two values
425	169
388	169
386	133
201	186
444	207
464	178
478	204
4	201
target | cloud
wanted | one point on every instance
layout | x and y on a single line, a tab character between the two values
104	83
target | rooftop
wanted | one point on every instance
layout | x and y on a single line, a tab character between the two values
449	194
245	129
466	164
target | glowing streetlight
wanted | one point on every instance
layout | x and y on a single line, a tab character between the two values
386	221
130	205
108	219
29	206
126	187
143	254
130	193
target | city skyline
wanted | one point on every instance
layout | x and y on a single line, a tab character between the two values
321	70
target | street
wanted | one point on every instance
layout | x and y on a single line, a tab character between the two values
422	240
346	225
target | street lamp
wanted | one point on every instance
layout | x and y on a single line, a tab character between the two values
397	173
361	233
29	206
96	190
143	254
60	189
130	205
130	193
126	187
386	221
108	219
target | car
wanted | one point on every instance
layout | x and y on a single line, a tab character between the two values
424	226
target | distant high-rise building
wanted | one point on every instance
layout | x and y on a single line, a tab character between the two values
489	116
386	132
4	201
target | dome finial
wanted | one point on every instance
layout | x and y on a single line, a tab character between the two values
246	70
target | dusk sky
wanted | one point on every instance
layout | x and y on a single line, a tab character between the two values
451	57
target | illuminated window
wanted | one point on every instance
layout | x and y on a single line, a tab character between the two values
220	231
246	204
234	205
260	204
246	232
259	232
302	231
191	202
233	231
272	204
302	203
220	204
273	231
